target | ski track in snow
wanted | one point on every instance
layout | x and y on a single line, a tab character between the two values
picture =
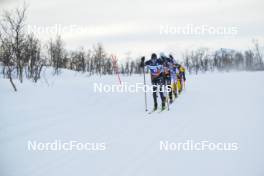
217	107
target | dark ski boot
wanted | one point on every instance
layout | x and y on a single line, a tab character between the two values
175	94
163	106
155	107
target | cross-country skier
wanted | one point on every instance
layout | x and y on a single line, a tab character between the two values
174	73
156	70
167	66
181	77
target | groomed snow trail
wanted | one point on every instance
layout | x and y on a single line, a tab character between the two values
217	107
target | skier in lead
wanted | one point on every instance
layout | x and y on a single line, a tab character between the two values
155	66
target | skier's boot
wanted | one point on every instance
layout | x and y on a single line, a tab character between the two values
180	91
175	94
155	107
171	100
163	106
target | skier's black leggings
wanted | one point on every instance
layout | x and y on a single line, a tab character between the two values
157	83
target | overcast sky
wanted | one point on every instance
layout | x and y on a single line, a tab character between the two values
135	25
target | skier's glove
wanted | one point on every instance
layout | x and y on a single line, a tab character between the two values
142	61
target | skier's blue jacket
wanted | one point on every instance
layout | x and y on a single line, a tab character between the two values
156	68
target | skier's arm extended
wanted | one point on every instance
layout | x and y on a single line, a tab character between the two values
143	63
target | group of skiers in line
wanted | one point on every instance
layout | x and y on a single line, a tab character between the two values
165	72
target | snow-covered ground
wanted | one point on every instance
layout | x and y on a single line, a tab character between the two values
219	108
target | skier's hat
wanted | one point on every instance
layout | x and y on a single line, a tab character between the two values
162	55
153	56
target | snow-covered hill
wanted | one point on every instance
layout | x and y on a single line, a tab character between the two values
219	108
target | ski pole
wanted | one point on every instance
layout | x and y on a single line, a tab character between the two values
146	106
166	90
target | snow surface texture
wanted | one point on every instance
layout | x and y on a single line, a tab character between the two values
215	107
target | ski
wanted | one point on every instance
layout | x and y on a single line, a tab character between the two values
162	110
152	111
